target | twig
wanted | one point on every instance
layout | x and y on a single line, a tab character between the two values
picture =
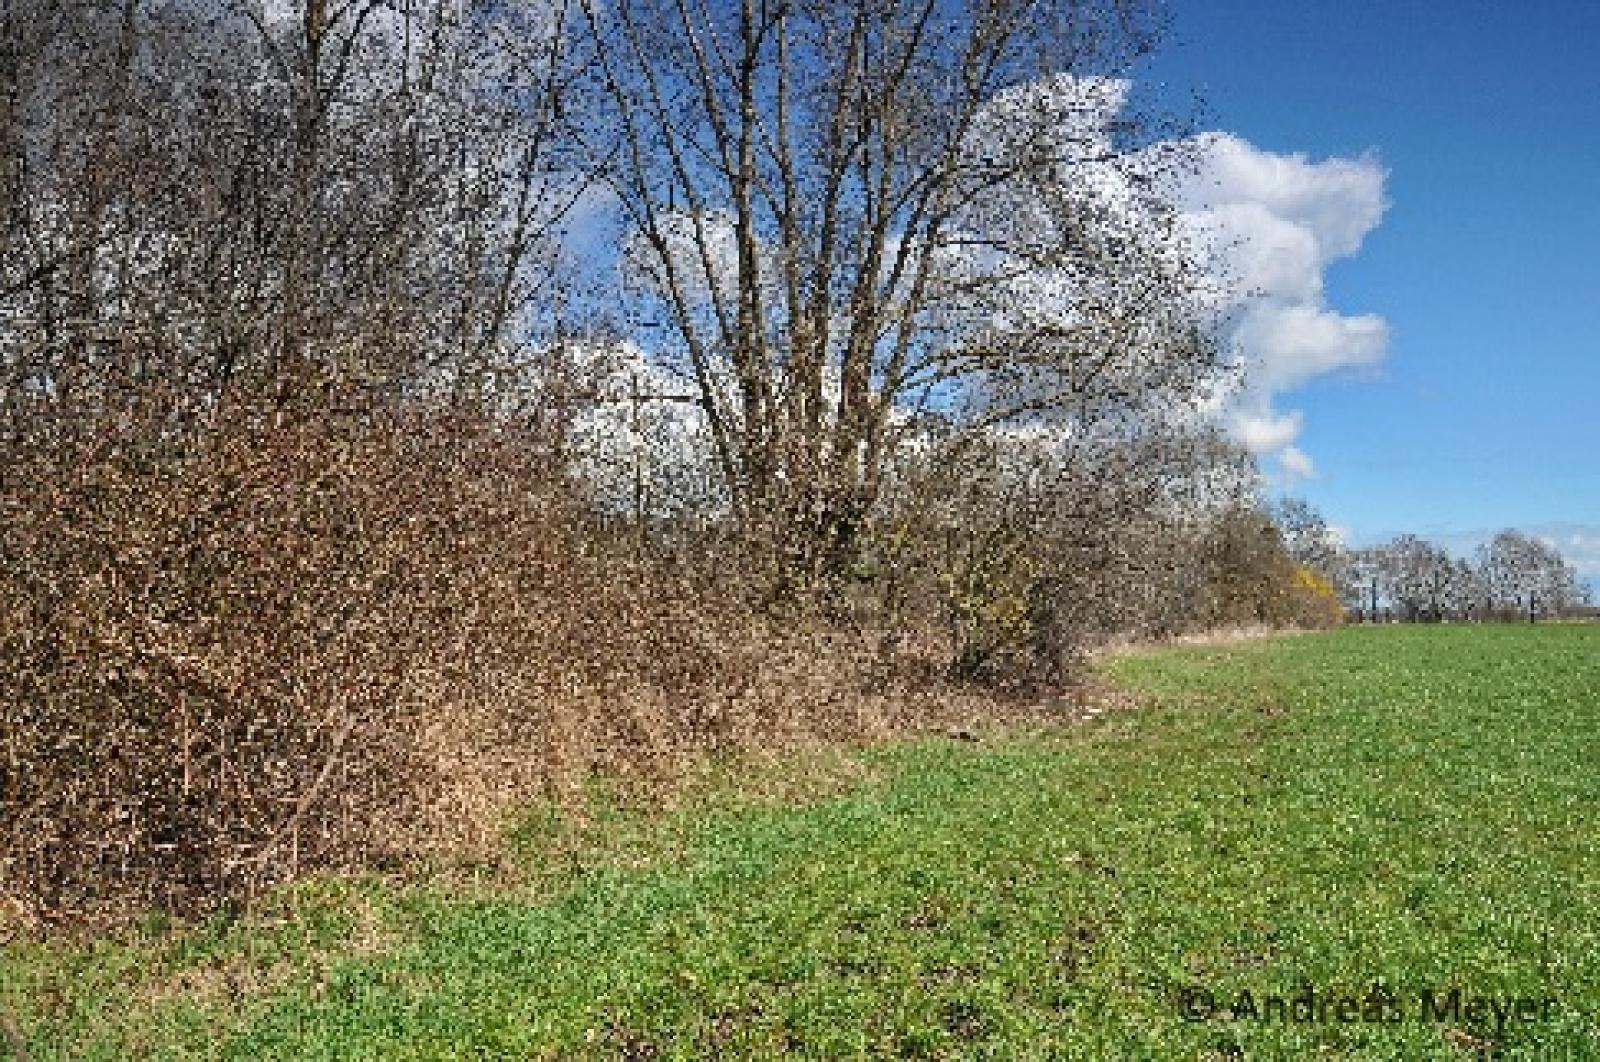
309	797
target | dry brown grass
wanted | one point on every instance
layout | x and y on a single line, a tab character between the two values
1233	635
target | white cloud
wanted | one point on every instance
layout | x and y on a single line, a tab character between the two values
1338	201
1265	432
1295	464
1292	343
1269	226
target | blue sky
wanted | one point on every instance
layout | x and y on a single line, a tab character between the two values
1486	265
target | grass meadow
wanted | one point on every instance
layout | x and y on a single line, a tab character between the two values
1371	843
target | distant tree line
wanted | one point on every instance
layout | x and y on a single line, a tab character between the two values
1513	576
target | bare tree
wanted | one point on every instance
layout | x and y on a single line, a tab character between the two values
1417	574
1526	576
1513	576
853	216
279	200
1307	536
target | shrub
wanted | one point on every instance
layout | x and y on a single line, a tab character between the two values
290	644
223	665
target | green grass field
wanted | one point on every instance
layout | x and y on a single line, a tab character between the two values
1413	808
